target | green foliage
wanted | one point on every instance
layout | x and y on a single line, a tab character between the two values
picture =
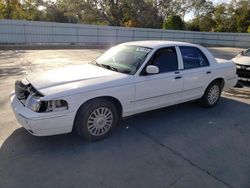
203	20
193	25
2	9
231	17
242	13
137	13
174	22
248	30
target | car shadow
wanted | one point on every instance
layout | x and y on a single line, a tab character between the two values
246	84
23	155
7	72
12	64
20	140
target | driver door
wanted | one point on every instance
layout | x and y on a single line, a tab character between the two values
162	89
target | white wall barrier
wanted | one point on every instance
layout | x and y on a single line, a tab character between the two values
32	32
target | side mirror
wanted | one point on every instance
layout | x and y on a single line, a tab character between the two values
152	69
242	52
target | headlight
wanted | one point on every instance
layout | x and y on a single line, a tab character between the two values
54	105
35	104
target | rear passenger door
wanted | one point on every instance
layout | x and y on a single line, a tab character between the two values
196	72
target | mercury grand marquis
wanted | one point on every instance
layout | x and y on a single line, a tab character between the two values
128	79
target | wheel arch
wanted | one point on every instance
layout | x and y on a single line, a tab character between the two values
203	100
220	80
112	99
77	126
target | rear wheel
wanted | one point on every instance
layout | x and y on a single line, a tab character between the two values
211	95
96	119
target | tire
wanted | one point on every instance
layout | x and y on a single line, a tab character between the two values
211	95
96	119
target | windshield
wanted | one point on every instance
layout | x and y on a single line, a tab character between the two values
125	59
246	53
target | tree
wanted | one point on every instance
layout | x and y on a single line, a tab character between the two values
111	11
206	23
137	13
165	8
54	13
2	9
203	12
14	10
201	7
79	11
174	22
183	7
193	25
31	9
232	17
220	17
242	13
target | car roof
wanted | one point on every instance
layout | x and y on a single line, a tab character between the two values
158	43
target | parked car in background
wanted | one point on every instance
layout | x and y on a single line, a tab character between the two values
128	79
242	61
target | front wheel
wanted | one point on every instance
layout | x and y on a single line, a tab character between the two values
211	95
96	119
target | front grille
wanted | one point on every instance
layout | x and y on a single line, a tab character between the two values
243	73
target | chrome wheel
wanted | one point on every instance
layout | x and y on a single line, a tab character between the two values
100	121
213	94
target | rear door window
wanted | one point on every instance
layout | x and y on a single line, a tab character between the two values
193	57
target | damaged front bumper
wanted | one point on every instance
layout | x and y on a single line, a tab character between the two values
41	124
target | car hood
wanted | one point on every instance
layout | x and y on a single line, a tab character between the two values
50	82
242	60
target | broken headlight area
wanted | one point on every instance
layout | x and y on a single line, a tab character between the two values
31	98
33	103
53	106
37	105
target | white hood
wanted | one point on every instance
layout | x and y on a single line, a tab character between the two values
70	77
242	60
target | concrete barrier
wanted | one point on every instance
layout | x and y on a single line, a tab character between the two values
50	33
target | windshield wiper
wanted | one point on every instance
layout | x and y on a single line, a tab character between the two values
105	66
108	67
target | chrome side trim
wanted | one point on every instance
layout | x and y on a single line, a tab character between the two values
165	94
47	117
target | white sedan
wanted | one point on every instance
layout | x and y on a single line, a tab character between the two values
242	62
129	78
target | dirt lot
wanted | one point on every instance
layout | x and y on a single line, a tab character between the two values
179	146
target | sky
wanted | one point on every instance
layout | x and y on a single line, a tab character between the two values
221	1
190	15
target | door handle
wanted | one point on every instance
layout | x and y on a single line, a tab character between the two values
178	77
208	72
